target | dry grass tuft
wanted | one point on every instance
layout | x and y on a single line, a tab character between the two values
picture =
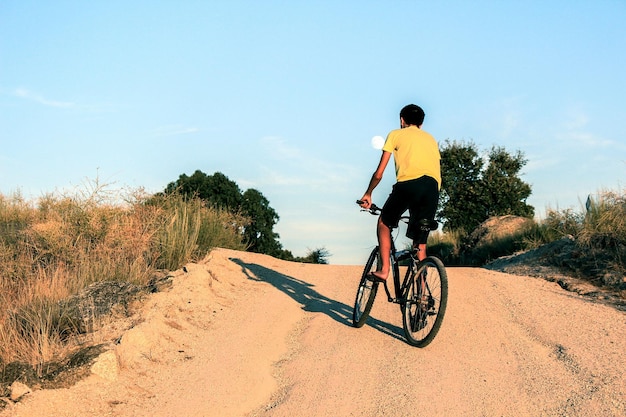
599	233
53	248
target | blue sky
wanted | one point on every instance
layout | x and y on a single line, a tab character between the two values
285	96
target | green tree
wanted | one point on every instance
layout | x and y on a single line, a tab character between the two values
474	190
461	205
219	191
215	189
505	192
260	233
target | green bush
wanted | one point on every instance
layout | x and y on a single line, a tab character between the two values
599	233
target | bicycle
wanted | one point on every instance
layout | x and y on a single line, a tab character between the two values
422	294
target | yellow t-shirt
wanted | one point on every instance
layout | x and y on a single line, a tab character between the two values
415	153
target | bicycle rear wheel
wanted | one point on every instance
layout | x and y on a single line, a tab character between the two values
426	301
366	292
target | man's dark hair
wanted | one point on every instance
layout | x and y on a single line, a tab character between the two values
412	115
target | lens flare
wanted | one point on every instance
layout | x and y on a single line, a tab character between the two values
378	142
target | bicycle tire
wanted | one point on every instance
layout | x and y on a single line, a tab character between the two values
425	308
366	293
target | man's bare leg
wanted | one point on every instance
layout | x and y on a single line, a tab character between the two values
421	251
384	243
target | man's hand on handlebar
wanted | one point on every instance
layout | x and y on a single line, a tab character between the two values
368	206
365	203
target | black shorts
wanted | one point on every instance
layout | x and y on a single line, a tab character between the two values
421	197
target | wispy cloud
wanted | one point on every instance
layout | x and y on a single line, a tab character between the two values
510	123
510	118
586	139
575	130
539	163
575	118
298	167
280	148
175	130
505	117
38	98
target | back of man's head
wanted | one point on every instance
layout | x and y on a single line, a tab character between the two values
412	115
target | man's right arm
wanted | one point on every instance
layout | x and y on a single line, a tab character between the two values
375	180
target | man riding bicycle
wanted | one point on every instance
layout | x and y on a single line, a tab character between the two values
418	175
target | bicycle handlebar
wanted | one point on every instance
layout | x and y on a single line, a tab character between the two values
374	209
425	224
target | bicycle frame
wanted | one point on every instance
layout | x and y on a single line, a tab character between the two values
396	257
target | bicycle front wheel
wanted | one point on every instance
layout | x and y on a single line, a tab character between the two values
426	301
366	292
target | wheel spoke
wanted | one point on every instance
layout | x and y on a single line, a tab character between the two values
426	302
366	293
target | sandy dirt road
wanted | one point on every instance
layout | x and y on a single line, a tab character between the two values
244	334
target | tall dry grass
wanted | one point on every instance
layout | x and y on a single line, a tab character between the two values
603	238
54	247
446	246
598	229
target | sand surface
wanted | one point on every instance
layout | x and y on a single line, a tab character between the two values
243	334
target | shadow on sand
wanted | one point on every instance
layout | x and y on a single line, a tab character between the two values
311	300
